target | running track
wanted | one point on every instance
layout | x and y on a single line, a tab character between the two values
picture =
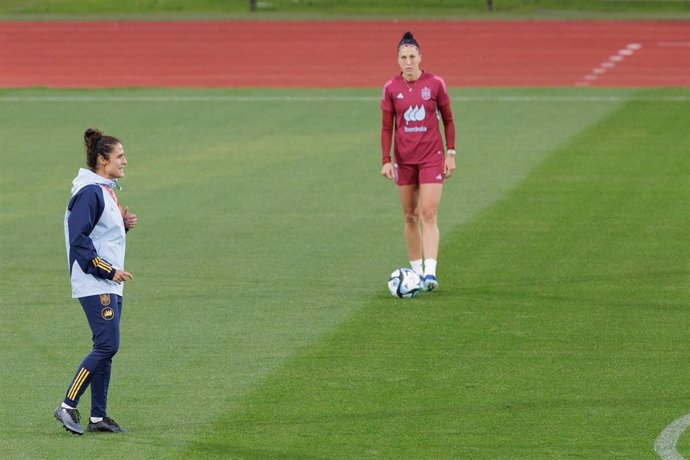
217	54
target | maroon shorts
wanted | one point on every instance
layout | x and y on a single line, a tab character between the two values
420	174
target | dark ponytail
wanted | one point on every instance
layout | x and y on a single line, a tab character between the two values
97	144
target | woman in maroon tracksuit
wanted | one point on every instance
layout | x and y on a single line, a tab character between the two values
420	164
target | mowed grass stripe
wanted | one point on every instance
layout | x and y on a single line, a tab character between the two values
560	328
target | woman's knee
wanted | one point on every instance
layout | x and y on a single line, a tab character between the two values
428	215
106	349
411	218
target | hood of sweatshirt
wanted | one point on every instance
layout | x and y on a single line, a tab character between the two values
86	177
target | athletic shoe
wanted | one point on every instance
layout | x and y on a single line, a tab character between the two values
106	425
429	283
69	419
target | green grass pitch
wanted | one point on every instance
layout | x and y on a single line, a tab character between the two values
259	325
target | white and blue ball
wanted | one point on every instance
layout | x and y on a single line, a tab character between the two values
404	283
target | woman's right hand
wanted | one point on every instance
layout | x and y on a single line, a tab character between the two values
121	276
388	171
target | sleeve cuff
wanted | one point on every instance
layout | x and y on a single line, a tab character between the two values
103	268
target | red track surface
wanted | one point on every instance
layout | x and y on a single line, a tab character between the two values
341	53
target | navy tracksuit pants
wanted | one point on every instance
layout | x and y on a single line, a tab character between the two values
103	313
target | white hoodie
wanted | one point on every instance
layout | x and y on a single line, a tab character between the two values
88	240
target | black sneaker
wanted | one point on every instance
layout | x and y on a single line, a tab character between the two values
106	425
69	419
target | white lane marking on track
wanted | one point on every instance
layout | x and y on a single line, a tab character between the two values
629	50
665	444
367	99
674	44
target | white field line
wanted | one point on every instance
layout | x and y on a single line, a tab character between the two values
316	99
665	445
186	98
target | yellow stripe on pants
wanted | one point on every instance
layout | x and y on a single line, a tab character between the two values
78	382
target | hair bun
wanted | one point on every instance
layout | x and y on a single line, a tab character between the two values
408	39
92	134
91	138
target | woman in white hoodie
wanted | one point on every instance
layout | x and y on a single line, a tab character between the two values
95	229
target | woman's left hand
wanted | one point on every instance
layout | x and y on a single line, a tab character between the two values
449	167
129	218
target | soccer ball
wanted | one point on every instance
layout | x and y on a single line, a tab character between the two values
404	283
